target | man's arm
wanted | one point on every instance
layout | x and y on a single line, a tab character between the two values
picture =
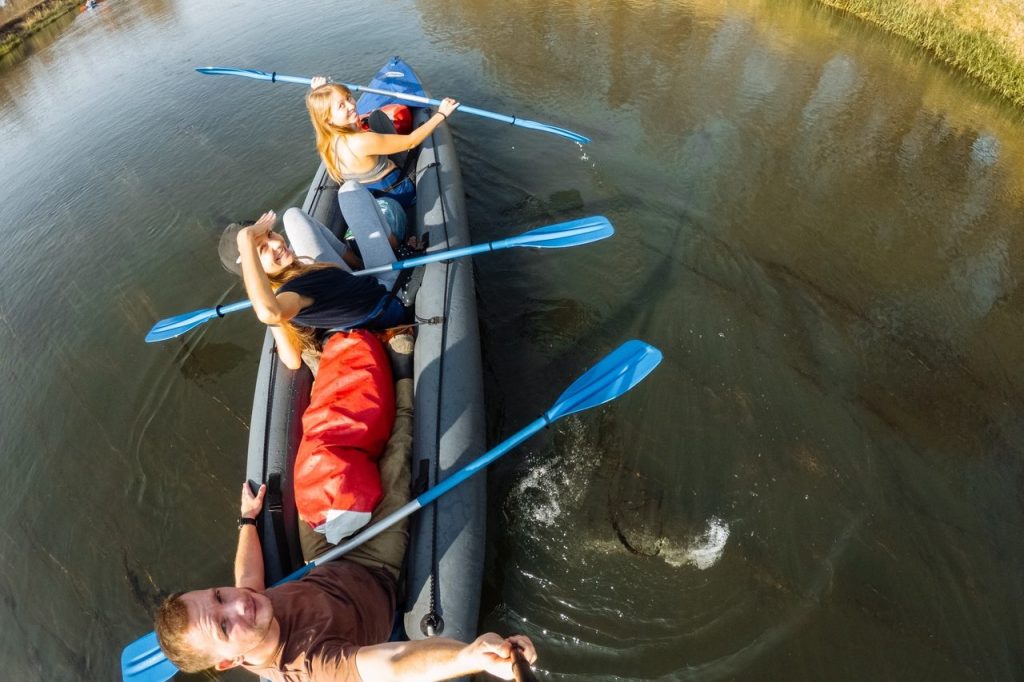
439	658
249	555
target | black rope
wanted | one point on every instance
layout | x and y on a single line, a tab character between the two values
433	623
274	508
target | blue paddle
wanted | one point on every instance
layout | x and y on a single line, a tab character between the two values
560	236
619	371
514	120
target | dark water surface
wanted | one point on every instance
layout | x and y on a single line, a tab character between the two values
820	229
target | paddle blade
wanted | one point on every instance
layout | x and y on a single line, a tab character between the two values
562	235
554	130
619	371
143	661
178	325
251	73
231	71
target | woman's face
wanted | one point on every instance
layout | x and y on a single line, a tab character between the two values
275	254
343	110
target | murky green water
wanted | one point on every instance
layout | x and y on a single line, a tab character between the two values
819	228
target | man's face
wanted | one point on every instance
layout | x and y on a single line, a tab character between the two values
227	622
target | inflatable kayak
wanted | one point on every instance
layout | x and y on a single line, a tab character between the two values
444	565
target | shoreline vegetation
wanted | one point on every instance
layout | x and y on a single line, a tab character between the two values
984	40
14	31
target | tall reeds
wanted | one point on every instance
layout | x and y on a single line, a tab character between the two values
985	40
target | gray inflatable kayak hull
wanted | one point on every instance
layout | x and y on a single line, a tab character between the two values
445	556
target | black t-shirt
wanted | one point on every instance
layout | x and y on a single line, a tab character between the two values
340	299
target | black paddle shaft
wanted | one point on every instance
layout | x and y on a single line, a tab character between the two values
520	668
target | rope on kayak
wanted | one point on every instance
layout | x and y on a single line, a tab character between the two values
274	501
433	624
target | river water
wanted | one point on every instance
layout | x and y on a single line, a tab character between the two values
819	228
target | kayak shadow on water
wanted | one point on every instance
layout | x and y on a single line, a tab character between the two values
636	314
199	362
140	583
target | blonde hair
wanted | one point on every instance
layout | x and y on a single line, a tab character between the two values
305	337
318	102
171	628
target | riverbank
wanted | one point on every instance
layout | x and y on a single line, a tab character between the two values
984	40
14	32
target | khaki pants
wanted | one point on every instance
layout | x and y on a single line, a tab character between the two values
387	550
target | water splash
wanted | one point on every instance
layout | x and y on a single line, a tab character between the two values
702	551
556	486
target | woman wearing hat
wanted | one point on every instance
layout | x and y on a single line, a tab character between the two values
306	288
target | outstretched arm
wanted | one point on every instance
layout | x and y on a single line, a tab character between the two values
439	658
249	555
368	144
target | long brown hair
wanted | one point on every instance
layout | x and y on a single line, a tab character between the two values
306	337
318	102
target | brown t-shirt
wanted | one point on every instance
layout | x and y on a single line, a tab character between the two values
325	617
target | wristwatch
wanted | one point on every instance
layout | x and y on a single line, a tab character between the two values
245	521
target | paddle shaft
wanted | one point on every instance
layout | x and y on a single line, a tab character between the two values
423	500
451	254
223	310
572	233
300	80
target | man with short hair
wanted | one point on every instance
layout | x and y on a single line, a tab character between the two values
332	624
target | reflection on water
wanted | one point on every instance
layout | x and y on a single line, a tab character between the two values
818	227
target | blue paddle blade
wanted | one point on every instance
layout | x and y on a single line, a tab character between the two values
619	371
143	661
251	73
178	325
562	235
554	130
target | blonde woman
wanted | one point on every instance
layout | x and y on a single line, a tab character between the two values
350	153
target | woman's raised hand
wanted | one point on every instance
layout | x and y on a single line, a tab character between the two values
316	81
253	233
265	224
448	105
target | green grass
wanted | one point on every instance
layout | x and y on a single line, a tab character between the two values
982	42
14	32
